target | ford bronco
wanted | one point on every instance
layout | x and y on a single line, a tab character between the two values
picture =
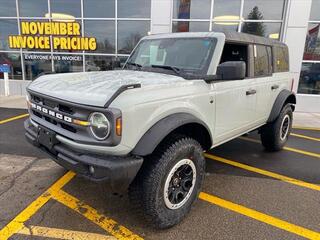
145	127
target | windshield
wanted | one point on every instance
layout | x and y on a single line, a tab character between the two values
177	56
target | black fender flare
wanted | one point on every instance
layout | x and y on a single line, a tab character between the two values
151	139
285	96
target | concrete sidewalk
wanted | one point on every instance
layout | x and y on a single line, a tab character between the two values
13	102
301	119
311	120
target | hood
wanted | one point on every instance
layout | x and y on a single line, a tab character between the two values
96	88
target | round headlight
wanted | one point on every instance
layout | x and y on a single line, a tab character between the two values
99	126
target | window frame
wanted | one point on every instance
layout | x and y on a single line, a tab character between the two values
81	19
240	21
206	66
305	61
250	62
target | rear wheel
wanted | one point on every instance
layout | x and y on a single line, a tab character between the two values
169	182
275	135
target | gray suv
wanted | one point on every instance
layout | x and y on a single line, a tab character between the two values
145	127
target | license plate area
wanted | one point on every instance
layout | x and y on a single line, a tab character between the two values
46	137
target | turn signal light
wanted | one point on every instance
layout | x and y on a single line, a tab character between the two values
119	126
81	123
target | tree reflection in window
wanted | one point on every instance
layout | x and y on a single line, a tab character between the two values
104	32
129	34
256	28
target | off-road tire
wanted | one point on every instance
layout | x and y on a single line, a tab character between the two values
147	190
272	137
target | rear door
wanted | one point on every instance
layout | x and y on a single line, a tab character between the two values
281	77
263	73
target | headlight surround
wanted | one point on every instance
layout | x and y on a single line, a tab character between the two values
99	126
28	97
28	100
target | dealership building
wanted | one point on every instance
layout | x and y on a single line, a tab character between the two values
44	36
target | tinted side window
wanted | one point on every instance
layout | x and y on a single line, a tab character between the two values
281	59
261	61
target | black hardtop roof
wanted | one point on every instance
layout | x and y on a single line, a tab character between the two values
249	38
230	36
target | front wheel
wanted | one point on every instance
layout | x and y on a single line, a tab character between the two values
170	181
275	135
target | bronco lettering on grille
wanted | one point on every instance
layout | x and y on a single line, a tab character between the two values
52	113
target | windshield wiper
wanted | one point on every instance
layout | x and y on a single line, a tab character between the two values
134	64
175	69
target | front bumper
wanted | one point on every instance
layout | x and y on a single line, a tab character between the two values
118	171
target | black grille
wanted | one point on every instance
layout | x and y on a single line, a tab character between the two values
36	99
37	114
68	127
50	120
56	106
49	103
66	109
55	114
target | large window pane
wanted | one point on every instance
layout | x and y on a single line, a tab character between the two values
70	7
270	30
36	65
315	10
7	27
104	32
309	78
191	9
225	26
98	63
99	8
14	61
68	63
262	9
190	26
33	8
134	8
8	8
312	46
224	9
129	34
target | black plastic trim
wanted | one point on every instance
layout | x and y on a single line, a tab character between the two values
151	139
117	171
279	102
121	90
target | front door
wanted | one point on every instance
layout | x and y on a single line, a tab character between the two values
235	102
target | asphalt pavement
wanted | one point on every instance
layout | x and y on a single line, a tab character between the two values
247	194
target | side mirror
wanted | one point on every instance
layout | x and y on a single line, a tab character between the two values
116	64
232	70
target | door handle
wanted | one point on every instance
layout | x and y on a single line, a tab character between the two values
251	92
274	87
